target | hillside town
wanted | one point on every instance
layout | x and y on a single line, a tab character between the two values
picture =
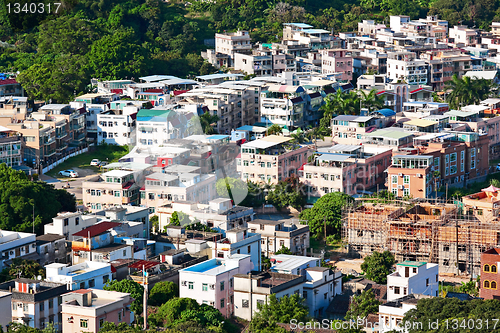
326	171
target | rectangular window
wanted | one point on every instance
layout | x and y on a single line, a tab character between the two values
396	290
394	179
453	157
222	286
120	316
91	283
84	323
190	285
101	322
51	303
204	287
222	303
42	306
406	180
244	303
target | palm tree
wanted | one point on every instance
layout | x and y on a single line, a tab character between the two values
274	129
466	91
372	101
298	137
339	103
208	122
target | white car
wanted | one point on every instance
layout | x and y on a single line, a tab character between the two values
95	162
68	173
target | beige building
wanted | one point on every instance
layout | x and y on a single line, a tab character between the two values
112	188
86	310
231	43
276	234
271	159
10	147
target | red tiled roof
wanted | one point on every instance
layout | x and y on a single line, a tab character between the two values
178	92
117	91
146	263
381	92
96	229
419	89
302	166
7	81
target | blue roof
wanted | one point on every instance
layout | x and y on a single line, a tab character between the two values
386	112
218	137
299	25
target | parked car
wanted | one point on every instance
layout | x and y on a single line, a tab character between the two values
95	162
68	173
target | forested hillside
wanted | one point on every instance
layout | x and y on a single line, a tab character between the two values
57	54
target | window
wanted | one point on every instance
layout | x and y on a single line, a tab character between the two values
486	284
493	285
493	268
119	316
25	307
453	157
82	285
105	279
51	303
405	291
394	179
101	322
91	283
221	285
486	268
426	282
77	220
414	269
124	253
396	290
84	323
244	303
222	303
42	306
190	285
406	180
325	295
282	243
204	287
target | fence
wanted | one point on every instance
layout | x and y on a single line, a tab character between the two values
56	163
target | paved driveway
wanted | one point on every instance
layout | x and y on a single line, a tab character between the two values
75	183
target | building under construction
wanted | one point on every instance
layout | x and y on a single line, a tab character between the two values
446	234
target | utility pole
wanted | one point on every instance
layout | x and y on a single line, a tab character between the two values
324	227
33	204
145	297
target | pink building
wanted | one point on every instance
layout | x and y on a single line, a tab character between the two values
337	61
86	310
271	159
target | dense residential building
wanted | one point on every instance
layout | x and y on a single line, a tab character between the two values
291	264
406	67
212	282
391	313
463	36
15	244
86	310
337	61
88	274
51	248
10	147
278	234
413	277
35	303
271	159
7	306
158	127
231	43
489	288
283	105
315	39
112	188
321	286
117	127
264	61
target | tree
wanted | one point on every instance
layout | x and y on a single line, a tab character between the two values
377	266
283	250
155	223
362	305
327	210
274	129
372	101
135	290
162	292
232	188
289	192
22	268
298	137
281	310
466	91
208	123
17	196
174	220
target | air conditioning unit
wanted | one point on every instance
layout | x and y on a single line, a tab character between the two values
183	283
400	174
212	286
400	187
11	252
212	303
419	175
252	156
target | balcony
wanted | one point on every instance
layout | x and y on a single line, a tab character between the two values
50	141
50	152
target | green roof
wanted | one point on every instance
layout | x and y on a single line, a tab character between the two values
391	134
412	263
153	113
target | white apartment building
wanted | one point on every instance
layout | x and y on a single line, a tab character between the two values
94	104
391	314
66	224
276	234
15	244
264	62
290	264
463	36
304	34
212	282
321	286
283	105
231	43
253	289
238	241
88	274
117	127
157	127
413	277
406	67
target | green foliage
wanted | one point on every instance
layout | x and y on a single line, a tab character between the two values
281	310
274	129
23	268
378	265
441	310
227	186
162	292
179	218
155	222
328	209
205	124
18	193
362	305
182	310
198	226
283	250
466	91
288	192
135	290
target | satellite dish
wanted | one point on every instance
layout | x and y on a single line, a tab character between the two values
39	277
